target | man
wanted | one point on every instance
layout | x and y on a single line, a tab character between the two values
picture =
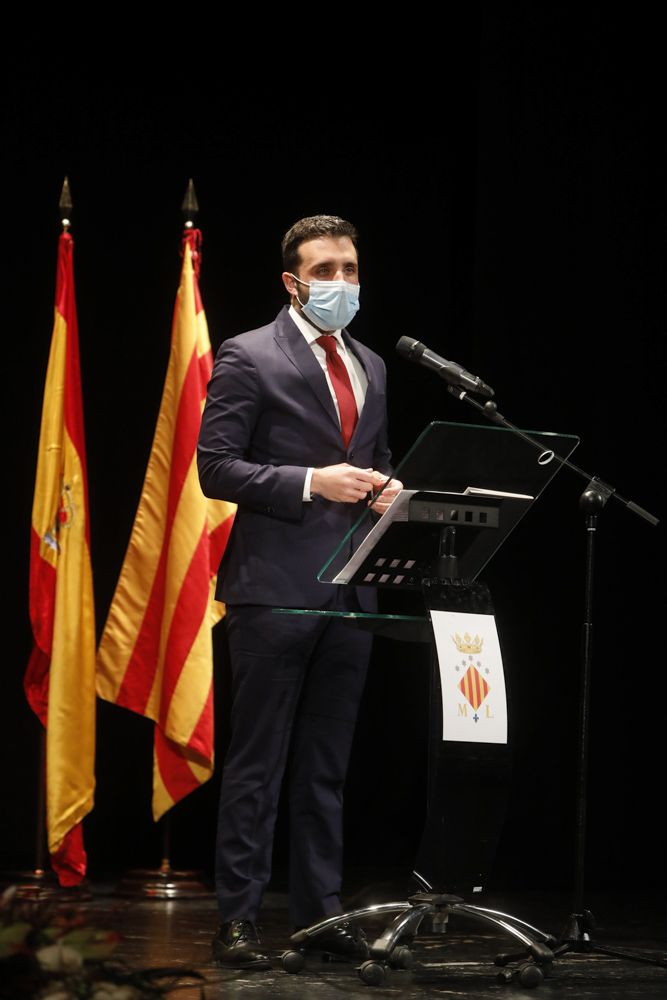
295	431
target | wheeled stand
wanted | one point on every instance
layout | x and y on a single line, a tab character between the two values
477	784
392	949
437	541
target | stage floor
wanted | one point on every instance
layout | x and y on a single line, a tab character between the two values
458	963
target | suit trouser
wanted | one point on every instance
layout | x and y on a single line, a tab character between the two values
297	682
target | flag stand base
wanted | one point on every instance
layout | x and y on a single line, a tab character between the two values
162	883
40	884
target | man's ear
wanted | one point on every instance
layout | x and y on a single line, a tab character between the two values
289	283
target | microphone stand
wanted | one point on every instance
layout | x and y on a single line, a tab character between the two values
576	935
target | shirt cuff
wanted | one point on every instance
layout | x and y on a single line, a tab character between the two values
306	486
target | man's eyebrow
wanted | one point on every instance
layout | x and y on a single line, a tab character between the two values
330	263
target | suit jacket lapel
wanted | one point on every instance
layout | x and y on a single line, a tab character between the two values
292	342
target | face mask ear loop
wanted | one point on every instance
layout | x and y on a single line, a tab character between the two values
301	283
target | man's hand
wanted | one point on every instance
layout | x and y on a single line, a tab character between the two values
343	483
394	486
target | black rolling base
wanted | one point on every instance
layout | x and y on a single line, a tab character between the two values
392	949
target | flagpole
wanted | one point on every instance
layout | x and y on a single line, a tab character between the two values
166	882
41	881
40	832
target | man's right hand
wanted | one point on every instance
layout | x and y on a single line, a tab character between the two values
342	483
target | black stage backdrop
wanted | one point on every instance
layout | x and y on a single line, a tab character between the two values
506	177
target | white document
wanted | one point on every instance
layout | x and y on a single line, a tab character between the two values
397	510
478	491
472	680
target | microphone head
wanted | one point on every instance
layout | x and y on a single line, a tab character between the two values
410	348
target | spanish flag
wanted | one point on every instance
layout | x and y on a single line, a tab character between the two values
155	656
60	678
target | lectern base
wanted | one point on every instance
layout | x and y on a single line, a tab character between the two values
392	949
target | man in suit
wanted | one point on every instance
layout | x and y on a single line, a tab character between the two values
295	432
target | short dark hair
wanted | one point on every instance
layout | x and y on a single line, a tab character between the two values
310	229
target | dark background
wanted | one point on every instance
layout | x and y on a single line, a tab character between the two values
505	171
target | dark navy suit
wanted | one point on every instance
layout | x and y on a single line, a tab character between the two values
297	680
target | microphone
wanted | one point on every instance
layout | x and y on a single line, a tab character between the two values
417	352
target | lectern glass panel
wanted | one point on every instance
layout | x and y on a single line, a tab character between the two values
466	487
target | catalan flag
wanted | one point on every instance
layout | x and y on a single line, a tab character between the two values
155	656
60	678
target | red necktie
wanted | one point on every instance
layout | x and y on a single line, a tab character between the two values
347	406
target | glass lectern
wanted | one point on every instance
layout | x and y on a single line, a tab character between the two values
466	487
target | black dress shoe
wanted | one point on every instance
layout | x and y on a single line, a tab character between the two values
236	945
345	941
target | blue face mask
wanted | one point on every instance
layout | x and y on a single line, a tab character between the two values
331	305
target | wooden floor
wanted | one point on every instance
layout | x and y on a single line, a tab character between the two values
459	963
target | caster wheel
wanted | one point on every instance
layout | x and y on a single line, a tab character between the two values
401	958
371	973
504	977
531	976
292	961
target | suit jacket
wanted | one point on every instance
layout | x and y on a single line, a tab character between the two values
269	416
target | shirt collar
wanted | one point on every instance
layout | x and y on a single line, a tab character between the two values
309	331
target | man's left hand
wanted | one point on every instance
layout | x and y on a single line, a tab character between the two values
390	491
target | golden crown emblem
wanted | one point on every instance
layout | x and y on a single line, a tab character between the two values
467	644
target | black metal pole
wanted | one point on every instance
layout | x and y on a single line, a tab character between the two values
165	865
40	825
584	706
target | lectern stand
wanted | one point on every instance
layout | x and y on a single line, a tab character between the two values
469	487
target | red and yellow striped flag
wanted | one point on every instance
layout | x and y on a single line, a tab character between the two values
155	656
60	678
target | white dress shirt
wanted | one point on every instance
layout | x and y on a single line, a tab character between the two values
354	367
